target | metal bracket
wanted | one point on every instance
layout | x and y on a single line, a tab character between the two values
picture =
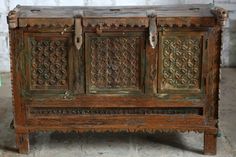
152	28
78	33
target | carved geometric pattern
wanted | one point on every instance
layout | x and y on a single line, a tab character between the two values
115	130
114	62
49	63
181	62
42	111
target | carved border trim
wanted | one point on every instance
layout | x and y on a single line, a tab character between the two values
45	23
185	22
47	111
117	22
196	129
12	52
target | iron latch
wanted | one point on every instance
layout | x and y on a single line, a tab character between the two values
152	28
78	33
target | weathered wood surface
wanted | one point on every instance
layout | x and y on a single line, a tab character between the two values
116	69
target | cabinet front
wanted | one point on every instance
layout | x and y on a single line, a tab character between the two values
115	62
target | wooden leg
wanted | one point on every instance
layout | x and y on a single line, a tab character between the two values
22	142
210	141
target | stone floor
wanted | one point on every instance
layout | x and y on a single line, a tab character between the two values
123	144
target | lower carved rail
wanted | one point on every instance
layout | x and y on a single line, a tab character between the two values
47	111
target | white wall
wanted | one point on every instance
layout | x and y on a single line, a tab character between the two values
6	5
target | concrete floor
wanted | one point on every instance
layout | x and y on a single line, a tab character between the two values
123	144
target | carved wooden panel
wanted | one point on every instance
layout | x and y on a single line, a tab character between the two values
180	62
48	61
113	62
154	69
67	111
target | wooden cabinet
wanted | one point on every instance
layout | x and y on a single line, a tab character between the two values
116	69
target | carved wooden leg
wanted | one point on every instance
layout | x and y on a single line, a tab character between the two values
22	142
210	141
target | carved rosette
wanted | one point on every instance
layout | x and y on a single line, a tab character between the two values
49	63
181	61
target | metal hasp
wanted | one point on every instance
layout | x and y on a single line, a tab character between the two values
78	33
152	28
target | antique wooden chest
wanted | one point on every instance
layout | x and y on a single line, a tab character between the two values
131	69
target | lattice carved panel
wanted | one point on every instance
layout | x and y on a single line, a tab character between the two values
62	111
48	63
181	62
114	62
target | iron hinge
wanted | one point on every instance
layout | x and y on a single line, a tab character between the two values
152	28
78	33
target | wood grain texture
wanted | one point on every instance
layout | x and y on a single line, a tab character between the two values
210	144
22	142
133	69
114	62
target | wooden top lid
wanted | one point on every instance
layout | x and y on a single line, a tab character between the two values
188	14
196	10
